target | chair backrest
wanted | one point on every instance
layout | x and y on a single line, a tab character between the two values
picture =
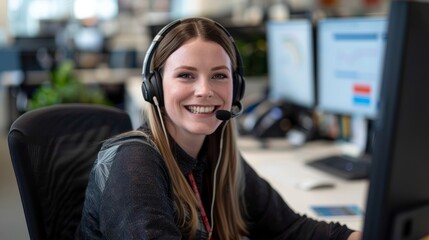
53	150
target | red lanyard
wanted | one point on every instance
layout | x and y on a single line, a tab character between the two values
202	211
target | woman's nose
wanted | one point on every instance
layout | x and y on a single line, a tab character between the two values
203	89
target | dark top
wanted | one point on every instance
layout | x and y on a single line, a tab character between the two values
129	196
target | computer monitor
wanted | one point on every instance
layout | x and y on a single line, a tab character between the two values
350	54
398	197
10	67
33	50
350	58
291	62
9	59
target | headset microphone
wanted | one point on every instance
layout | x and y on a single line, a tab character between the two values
223	115
237	110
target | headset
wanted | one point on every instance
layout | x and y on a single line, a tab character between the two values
152	80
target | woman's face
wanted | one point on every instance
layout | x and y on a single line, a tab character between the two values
197	81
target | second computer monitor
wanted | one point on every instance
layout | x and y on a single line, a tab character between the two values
350	58
290	61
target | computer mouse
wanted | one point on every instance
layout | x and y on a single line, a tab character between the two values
311	184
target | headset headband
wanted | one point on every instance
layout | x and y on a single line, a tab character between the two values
147	62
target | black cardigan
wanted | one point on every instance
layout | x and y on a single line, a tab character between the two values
129	196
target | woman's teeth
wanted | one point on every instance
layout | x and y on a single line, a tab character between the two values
199	109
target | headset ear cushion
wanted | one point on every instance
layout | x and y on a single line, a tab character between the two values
155	81
147	93
239	87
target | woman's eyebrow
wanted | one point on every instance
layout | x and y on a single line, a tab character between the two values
194	69
186	67
220	67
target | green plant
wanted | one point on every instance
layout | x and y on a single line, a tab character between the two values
254	55
65	88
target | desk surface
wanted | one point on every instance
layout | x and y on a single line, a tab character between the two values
283	166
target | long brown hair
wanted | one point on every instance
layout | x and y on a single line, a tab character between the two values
228	211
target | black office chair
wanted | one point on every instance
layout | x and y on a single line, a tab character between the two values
52	151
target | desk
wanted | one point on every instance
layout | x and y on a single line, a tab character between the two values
283	166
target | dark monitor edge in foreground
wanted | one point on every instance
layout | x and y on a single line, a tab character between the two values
398	197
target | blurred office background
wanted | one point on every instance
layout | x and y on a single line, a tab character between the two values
100	44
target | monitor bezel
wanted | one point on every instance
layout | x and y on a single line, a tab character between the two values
398	197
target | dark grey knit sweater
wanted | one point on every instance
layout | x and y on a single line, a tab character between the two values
129	196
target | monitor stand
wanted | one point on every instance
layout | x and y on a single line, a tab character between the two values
345	166
411	223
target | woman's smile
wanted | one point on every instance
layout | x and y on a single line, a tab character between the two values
201	109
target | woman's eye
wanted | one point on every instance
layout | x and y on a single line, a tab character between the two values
219	76
185	75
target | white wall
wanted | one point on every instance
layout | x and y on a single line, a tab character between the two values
3	12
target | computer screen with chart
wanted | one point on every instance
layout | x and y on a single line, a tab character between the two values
350	57
291	61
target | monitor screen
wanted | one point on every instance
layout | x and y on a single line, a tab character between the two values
398	197
32	49
10	67
350	56
291	62
9	59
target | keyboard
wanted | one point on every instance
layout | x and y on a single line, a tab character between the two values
343	166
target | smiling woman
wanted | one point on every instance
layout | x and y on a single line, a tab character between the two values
181	176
